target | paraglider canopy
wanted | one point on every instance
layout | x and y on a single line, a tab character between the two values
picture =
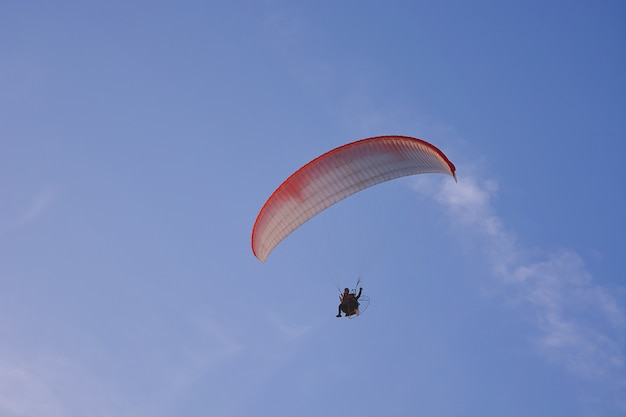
336	175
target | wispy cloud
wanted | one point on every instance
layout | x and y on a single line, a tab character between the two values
37	207
578	323
220	343
51	385
286	330
22	393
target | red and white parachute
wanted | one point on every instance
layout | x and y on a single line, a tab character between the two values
336	175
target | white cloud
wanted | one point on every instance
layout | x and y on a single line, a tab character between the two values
579	323
578	319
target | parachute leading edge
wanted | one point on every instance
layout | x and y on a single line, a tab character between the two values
338	174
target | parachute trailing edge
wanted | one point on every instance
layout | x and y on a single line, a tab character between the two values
338	174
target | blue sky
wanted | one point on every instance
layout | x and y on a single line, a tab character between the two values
140	139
